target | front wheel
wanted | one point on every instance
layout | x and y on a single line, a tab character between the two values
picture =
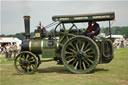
26	62
80	54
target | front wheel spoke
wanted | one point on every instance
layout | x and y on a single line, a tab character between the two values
30	68
27	68
19	65
22	69
20	57
32	60
33	66
27	56
23	57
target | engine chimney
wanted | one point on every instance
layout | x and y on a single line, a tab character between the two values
27	26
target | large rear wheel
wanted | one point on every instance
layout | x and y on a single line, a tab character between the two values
80	54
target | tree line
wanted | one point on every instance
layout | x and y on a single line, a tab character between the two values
116	30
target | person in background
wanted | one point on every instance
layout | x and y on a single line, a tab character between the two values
122	43
9	51
6	50
127	43
14	46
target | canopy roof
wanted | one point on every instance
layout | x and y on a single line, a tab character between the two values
85	17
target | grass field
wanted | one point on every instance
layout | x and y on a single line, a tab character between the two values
114	73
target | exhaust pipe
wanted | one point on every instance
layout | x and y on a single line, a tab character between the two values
27	26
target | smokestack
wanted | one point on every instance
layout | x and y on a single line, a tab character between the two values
27	26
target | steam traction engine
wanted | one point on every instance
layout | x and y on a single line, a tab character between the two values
78	53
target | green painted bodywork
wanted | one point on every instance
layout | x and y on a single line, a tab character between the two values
35	46
49	51
42	47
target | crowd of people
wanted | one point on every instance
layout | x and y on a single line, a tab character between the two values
10	50
118	43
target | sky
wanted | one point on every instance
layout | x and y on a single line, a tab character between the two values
12	12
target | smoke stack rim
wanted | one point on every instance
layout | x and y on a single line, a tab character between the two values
26	17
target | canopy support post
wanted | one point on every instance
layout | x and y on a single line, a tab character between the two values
110	29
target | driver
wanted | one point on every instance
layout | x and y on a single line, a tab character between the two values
92	30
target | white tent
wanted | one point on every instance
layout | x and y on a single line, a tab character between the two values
116	36
10	40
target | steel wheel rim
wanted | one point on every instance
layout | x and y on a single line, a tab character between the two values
26	63
76	59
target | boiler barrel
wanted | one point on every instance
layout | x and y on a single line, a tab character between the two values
45	47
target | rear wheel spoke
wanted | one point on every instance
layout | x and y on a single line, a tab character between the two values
82	46
72	46
77	47
72	50
91	53
76	65
74	62
84	65
80	64
86	62
86	46
70	60
69	53
68	57
87	50
90	60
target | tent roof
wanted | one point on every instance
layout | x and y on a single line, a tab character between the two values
9	39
